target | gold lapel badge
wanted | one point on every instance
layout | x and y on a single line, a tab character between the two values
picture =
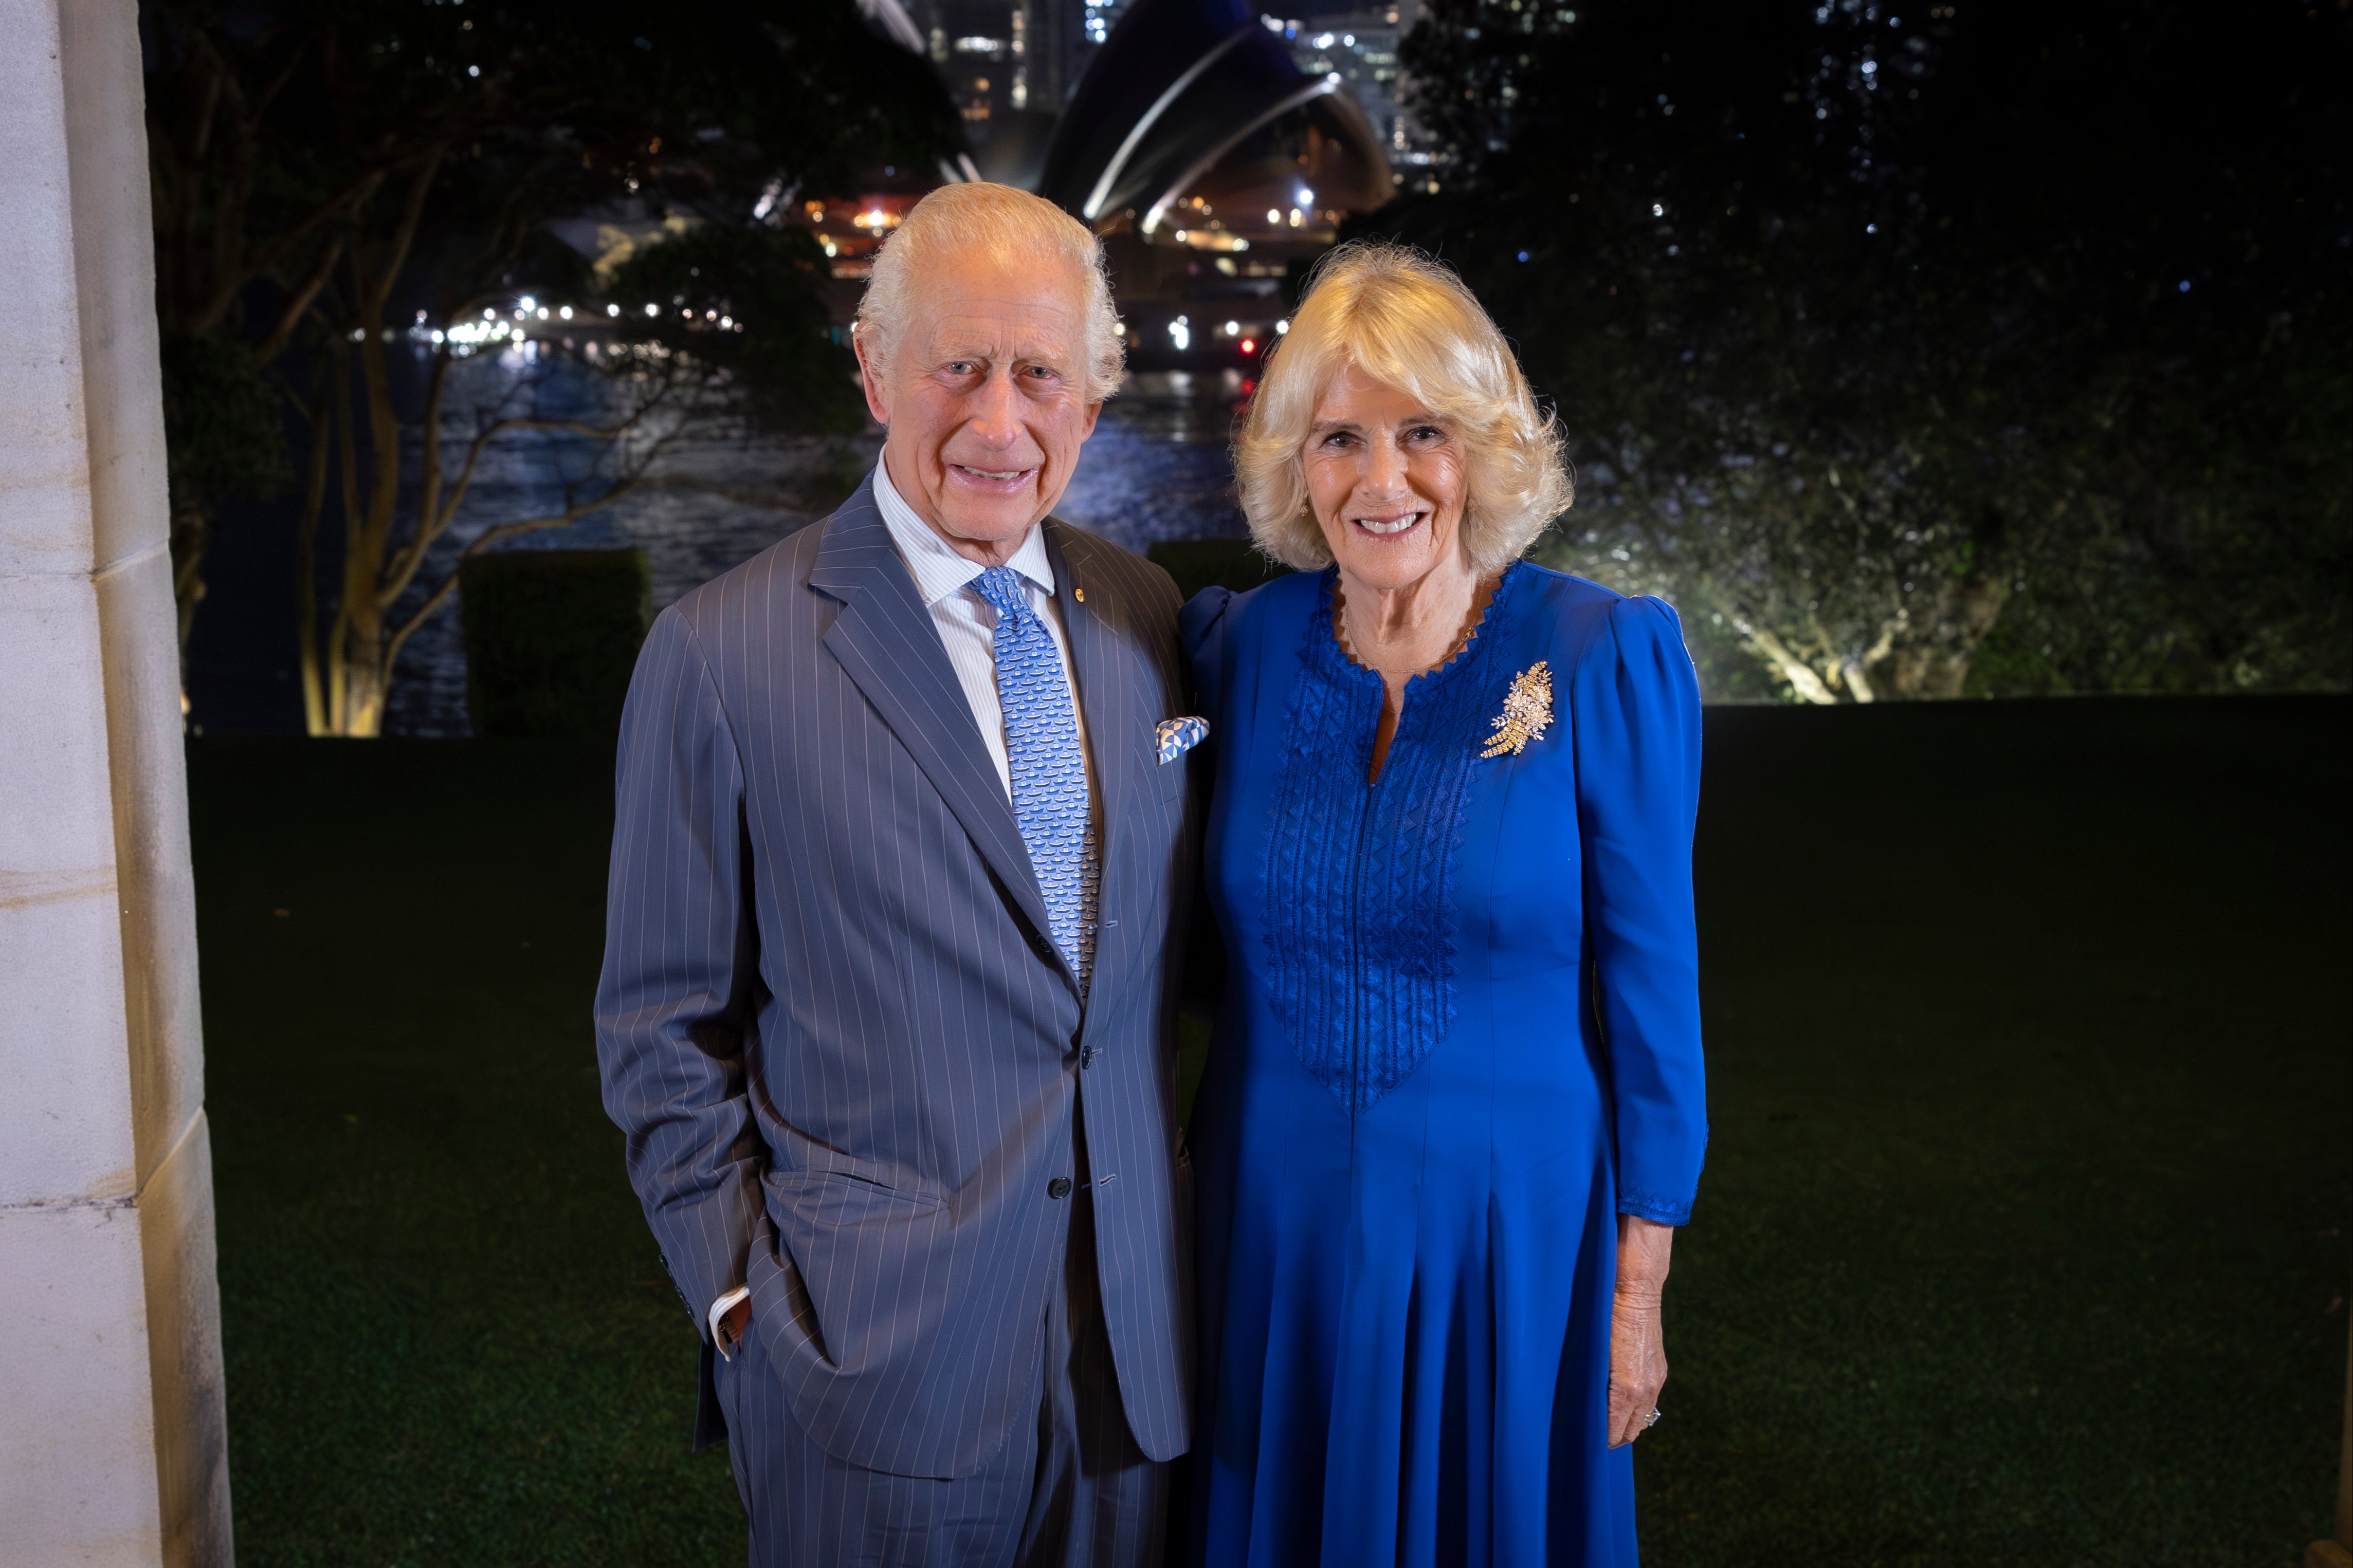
1528	711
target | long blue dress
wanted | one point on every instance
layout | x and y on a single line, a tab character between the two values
1460	1035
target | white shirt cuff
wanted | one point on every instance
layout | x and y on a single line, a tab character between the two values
720	1308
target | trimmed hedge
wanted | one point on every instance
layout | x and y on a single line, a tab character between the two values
1199	563
551	638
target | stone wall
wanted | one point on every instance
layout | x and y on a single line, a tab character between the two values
113	1443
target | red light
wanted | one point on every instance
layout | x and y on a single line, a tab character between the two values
1249	345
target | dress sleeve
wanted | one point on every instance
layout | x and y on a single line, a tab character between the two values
1202	627
1635	713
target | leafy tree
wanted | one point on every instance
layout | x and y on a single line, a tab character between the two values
1868	325
330	174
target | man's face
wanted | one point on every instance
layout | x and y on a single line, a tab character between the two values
986	398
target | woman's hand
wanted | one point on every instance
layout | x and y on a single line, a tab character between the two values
1638	1351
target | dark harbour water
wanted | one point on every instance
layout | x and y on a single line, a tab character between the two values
1155	469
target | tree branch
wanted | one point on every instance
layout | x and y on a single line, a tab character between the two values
490	536
353	193
298	304
338	631
772	501
1795	670
412	214
428	487
431	525
306	558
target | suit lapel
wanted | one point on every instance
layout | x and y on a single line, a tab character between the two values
1107	697
885	642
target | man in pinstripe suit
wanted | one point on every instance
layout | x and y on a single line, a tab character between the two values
887	1012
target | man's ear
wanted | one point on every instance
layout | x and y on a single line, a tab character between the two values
870	375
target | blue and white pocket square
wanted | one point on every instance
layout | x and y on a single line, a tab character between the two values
1178	736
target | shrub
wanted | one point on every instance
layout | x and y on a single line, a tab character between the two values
1199	563
551	638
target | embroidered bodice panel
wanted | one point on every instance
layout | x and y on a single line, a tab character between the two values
1358	877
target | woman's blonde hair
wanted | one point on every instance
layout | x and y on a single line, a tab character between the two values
1404	319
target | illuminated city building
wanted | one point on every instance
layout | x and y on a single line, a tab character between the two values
1361	46
1190	94
1001	58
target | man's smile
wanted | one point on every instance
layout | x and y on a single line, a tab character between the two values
994	475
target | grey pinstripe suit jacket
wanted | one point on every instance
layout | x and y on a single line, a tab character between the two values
842	1049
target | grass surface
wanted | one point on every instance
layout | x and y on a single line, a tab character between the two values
2021	1239
449	1338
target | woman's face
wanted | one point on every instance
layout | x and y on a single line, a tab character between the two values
1386	481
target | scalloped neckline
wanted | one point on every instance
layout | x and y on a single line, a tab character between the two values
1327	615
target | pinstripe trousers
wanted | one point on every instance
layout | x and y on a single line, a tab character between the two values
1070	1490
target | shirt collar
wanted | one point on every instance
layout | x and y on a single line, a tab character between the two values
938	570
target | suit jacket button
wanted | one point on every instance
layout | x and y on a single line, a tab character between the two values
1059	1187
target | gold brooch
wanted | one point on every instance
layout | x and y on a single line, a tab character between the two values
1527	712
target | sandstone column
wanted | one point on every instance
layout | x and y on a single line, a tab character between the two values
113	1438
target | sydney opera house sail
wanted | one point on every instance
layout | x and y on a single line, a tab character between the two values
1198	105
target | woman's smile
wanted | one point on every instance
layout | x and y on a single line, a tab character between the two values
1388	525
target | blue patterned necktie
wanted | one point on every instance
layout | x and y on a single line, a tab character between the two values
1049	773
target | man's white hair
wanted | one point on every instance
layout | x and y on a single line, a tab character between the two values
1001	221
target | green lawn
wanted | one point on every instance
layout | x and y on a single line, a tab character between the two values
2022	1240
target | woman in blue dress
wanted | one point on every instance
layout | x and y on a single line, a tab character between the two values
1454	1108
